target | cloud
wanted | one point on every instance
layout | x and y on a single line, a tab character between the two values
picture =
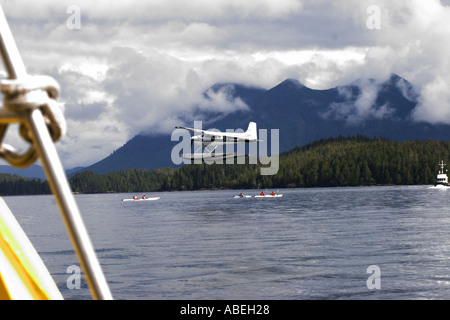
139	10
355	110
434	102
152	92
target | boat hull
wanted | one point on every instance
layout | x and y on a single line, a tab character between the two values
137	200
269	196
439	186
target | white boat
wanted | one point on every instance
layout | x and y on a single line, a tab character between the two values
243	196
140	199
269	196
442	178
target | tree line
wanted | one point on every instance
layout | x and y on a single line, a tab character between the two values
11	184
333	162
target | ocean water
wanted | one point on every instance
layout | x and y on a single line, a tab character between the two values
319	243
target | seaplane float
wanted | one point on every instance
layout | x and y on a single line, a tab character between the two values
212	139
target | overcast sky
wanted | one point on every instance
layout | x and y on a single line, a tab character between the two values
136	65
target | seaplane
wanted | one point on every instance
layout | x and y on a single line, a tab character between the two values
212	139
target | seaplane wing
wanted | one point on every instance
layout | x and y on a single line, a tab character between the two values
204	132
250	135
190	129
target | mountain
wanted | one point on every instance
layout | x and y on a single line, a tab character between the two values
33	172
141	152
302	115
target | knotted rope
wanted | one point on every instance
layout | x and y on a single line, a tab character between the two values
21	96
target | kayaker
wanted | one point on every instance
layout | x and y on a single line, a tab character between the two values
134	198
272	194
262	193
241	195
143	197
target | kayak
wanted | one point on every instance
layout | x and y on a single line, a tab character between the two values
140	199
236	197
269	196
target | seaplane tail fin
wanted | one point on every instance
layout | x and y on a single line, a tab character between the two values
251	131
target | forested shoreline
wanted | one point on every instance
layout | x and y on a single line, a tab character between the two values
333	162
12	184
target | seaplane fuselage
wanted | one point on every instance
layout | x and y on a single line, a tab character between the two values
219	140
213	138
